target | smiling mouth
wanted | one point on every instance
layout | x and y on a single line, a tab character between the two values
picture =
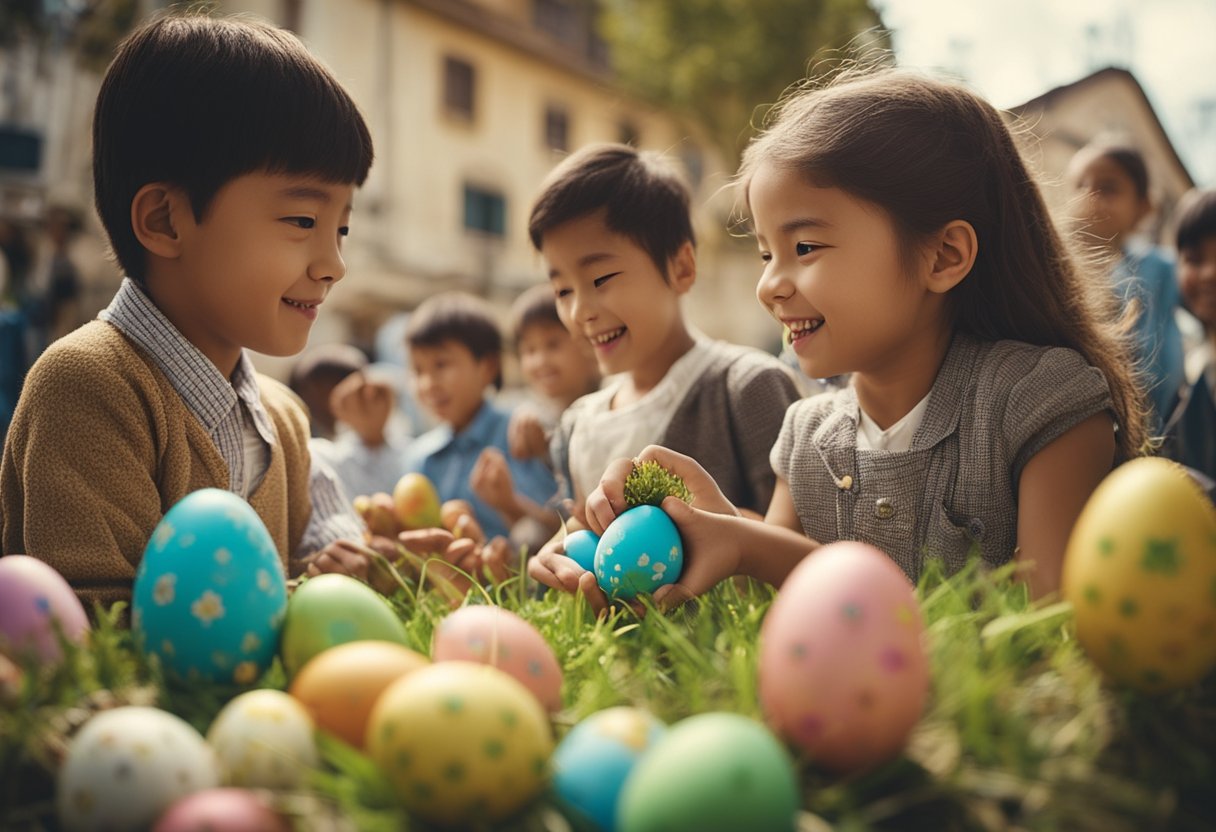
800	329
607	337
299	304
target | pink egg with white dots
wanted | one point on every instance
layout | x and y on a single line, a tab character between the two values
34	600
494	636
843	673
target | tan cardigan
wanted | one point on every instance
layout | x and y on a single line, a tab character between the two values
101	446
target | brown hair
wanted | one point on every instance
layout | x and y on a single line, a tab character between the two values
1129	159
643	199
535	306
929	152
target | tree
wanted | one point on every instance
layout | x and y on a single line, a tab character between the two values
717	61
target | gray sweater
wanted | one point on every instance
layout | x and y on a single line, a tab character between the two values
993	406
728	422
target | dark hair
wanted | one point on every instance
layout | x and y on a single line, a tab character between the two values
197	101
460	317
929	152
1128	158
536	306
330	362
1196	218
643	199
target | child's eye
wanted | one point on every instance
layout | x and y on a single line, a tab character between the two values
344	231
766	256
803	249
561	293
300	222
600	281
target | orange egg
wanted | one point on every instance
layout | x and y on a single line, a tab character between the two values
340	686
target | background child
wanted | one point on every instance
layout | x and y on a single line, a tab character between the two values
349	413
225	161
1191	433
1113	182
904	241
456	354
613	227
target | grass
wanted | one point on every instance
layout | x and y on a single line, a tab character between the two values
1020	733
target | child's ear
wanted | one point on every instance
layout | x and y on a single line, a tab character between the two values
682	268
954	252
154	214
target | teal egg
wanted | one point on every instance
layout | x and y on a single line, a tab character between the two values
593	760
639	552
714	772
580	547
210	593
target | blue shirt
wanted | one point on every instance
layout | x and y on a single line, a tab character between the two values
1148	277
447	459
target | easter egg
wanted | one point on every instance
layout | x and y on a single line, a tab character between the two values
332	609
127	766
592	761
639	552
1140	572
339	686
494	636
417	502
263	739
709	772
842	673
36	606
462	744
210	592
221	810
580	547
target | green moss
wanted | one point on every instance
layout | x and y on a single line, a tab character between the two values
650	483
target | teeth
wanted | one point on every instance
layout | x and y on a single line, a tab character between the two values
799	327
297	304
607	336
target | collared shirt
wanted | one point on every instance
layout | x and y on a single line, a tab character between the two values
218	404
993	406
447	459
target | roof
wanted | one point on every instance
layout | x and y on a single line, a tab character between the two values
1108	74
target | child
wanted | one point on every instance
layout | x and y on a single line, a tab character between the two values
455	354
349	416
557	368
613	226
225	161
904	241
1191	433
1113	181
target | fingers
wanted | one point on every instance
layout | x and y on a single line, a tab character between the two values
339	557
496	560
426	541
608	499
595	596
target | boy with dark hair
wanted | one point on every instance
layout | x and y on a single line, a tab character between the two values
225	161
455	354
614	228
1191	432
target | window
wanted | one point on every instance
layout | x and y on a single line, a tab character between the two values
557	19
484	211
459	78
627	133
557	128
20	150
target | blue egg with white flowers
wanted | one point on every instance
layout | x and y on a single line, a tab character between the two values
210	593
580	547
639	552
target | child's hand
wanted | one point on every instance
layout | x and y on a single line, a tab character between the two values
526	437
347	557
491	481
711	551
607	501
555	570
363	404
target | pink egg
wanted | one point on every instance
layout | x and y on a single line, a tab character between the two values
843	674
221	810
32	597
494	636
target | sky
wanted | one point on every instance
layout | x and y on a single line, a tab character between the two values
1015	50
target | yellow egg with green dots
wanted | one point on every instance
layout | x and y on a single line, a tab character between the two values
1140	572
461	743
